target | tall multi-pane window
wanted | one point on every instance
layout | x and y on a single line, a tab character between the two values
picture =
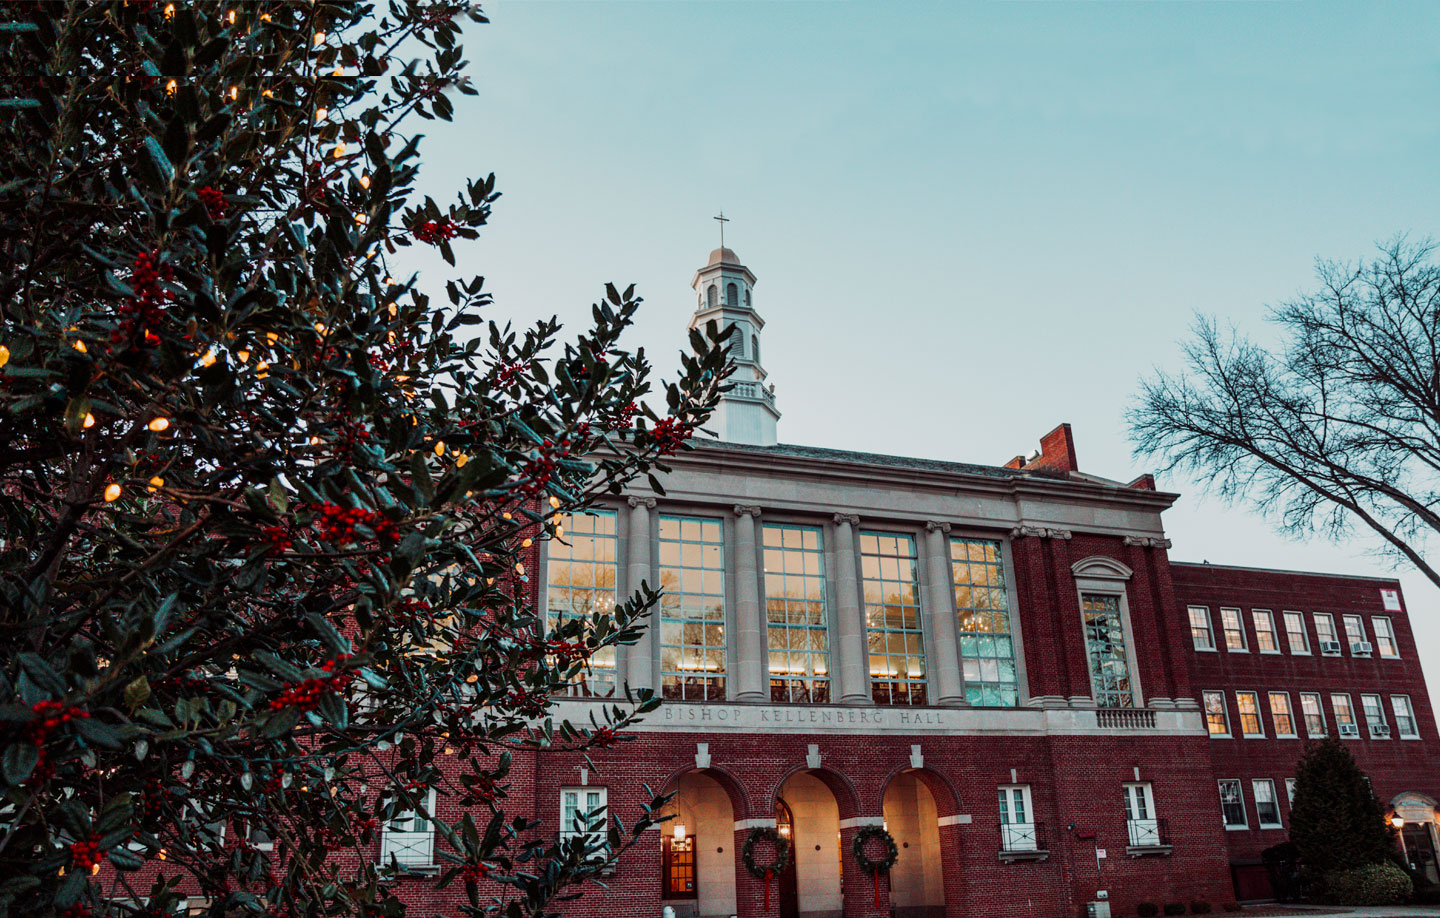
1375	716
1295	632
890	571
582	815
1234	630
1215	717
1105	644
1248	704
1405	723
796	622
1202	635
1267	808
580	583
1344	715
1265	639
1281	714
1314	715
692	610
987	650
1232	804
1017	819
1355	634
1385	637
1325	632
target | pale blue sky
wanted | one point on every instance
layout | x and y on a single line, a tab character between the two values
969	221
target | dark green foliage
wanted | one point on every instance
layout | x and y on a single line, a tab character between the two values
1373	884
1336	821
263	501
1200	907
1231	907
1174	908
1147	909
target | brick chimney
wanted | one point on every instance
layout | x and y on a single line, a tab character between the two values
1057	454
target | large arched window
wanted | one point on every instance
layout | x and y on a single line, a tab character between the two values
747	297
710	295
732	295
755	348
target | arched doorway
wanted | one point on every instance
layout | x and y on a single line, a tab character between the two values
814	824
1414	816
917	881
697	865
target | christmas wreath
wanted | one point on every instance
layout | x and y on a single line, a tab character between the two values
770	871
875	866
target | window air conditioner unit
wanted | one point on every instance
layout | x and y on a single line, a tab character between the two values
1330	647
1360	647
1382	730
1349	730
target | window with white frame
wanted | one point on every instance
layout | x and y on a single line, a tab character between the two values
1290	792
1405	723
1216	719
1314	713
1325	634
890	576
1142	826
982	605
1345	724
1234	628
1105	643
1295	633
797	625
257	838
1248	704
1375	716
580	584
583	815
1202	633
1017	819
1232	804
408	838
1281	715
692	609
1355	635
1385	643
1267	808
1265	638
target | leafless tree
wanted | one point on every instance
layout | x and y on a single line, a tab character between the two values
1339	422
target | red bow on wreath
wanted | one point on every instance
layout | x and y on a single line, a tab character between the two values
769	875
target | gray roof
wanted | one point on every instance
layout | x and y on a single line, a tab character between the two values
845	455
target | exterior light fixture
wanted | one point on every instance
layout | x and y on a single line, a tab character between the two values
1397	821
680	831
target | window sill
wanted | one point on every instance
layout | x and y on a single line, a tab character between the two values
1149	850
418	870
1237	828
1270	826
1037	854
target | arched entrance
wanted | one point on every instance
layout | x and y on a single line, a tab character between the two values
917	881
1415	815
697	865
814	817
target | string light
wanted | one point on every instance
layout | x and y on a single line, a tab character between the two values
365	180
208	359
519	568
156	484
322	114
339	149
170	88
234	92
232	17
261	370
4	355
460	460
554	502
440	448
159	424
169	11
79	346
243	354
89	421
527	543
319	39
320	328
112	492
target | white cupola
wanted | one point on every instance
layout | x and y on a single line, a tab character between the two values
724	291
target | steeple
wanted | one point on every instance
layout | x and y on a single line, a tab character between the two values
724	293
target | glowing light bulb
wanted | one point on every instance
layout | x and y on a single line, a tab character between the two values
79	346
320	328
243	354
159	424
365	180
339	149
112	492
527	543
554	502
322	114
231	17
89	421
4	355
234	92
170	88
156	484
519	568
169	11
460	460
440	448
208	359
319	39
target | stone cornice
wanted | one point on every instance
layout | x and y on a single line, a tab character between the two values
1147	542
1040	532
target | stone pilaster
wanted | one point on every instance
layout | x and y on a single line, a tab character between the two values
946	676
750	668
851	654
640	656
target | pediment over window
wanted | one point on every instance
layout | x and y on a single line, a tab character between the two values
1097	567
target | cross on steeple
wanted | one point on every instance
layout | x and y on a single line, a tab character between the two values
722	220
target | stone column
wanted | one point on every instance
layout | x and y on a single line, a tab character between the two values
947	678
750	669
640	656
852	655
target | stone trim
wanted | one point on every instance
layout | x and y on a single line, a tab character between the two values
1040	532
745	825
959	819
1148	542
855	822
649	502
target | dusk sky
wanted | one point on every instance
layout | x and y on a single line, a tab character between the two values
969	221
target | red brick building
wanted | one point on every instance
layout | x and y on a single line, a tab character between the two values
999	665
